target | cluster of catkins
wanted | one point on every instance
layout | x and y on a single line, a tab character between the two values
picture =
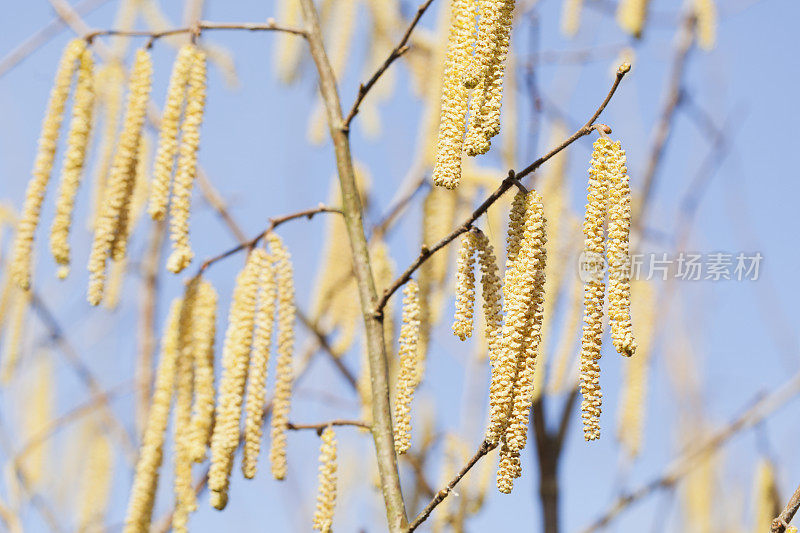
263	295
477	47
608	199
179	139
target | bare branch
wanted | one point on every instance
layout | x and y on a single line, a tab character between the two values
201	26
781	522
322	425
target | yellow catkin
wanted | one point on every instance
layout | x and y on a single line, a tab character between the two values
288	51
490	280
12	347
77	141
39	405
631	16
235	363
523	294
487	98
204	332
619	226
326	497
465	288
109	84
111	232
151	453
181	202
185	500
168	135
766	497
20	267
571	17
284	372
486	42
97	482
508	470
257	376
594	292
453	114
705	12
408	355
633	398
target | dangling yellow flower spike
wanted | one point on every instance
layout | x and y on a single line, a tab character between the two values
409	360
326	498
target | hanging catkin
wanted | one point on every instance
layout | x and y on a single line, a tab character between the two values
145	481
77	141
594	291
257	376
20	268
508	469
571	17
111	231
109	85
284	373
631	15
97	482
181	202
465	288
490	280
766	497
204	332
235	362
326	497
408	355
705	12
453	114
168	135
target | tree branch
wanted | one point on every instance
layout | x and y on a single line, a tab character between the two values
322	425
781	522
198	28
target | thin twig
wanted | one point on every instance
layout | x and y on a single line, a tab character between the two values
483	449
396	52
781	522
201	26
325	344
507	183
322	425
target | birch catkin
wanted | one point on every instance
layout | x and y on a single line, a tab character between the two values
465	288
235	362
408	355
186	172
145	481
490	280
20	268
453	114
204	333
168	135
326	497
284	373
78	139
111	231
257	376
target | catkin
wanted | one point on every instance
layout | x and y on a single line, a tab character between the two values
186	172
20	267
767	499
465	288
631	16
326	497
284	373
408	355
109	84
235	362
490	280
12	348
77	141
453	114
204	332
571	17
145	481
594	292
705	12
257	376
168	135
111	231
97	481
619	225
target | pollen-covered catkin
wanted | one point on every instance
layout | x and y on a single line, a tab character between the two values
490	280
257	376
77	141
284	372
453	113
145	481
594	290
571	17
766	497
508	470
326	497
181	202
619	226
111	231
20	268
408	355
204	325
235	362
631	15
465	288
168	135
705	12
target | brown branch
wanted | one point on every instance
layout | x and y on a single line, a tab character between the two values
215	200
273	224
201	26
680	467
321	426
322	339
507	183
484	449
396	52
781	522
